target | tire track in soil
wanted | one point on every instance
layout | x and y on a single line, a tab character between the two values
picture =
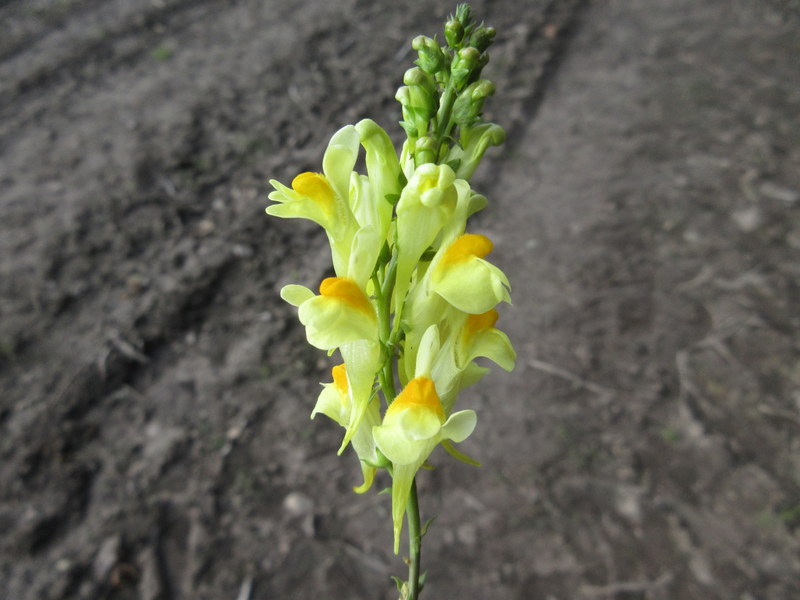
95	57
45	23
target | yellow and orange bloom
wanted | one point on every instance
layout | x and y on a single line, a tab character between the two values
467	281
414	424
336	401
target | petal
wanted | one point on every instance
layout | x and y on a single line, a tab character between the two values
402	479
296	294
473	286
340	158
294	205
391	440
331	321
369	476
419	424
383	167
460	425
494	345
427	351
330	404
364	445
362	358
468	203
366	247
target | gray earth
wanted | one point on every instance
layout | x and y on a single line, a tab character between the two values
155	391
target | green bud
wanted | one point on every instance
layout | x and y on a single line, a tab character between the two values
416	76
482	38
431	57
464	13
403	96
418	98
454	33
464	63
469	104
483	88
425	150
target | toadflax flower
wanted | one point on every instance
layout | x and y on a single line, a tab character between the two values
412	427
465	280
342	316
325	197
336	401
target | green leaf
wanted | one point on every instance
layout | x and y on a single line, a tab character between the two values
454	164
398	582
410	129
428	255
457	454
392	198
424	530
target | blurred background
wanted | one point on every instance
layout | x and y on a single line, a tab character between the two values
155	390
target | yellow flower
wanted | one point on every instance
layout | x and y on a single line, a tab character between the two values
336	402
464	279
343	317
341	312
412	427
325	197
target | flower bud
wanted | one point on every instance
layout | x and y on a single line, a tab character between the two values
416	76
453	33
464	63
464	13
431	57
482	38
469	104
425	150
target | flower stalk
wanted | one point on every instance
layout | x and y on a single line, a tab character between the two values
413	300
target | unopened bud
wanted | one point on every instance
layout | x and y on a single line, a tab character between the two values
469	104
464	13
463	65
431	57
425	150
415	76
403	96
483	88
482	38
454	33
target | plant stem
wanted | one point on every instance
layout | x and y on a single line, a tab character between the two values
443	124
386	374
414	543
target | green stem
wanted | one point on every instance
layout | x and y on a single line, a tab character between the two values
414	543
443	124
386	374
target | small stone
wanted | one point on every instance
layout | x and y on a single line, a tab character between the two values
242	251
777	192
748	219
297	504
205	227
63	565
106	558
467	535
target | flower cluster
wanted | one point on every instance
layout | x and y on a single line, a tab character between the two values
413	297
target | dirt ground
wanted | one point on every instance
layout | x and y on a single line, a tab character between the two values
155	391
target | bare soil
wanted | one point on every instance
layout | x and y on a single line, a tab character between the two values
155	391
